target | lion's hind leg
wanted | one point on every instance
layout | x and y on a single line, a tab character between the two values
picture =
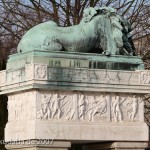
51	45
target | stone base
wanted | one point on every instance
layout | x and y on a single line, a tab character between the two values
117	146
75	116
76	131
75	60
35	145
75	97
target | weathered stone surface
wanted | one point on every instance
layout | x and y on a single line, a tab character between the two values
102	100
80	132
75	116
75	106
43	77
75	60
116	146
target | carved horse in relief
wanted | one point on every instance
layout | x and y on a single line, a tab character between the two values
93	32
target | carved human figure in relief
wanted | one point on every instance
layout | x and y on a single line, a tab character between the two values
91	102
81	106
134	107
46	106
100	106
70	113
116	109
45	111
56	107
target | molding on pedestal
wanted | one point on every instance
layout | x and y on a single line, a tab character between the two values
36	145
40	76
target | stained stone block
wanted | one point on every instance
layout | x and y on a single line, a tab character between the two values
75	60
42	76
116	146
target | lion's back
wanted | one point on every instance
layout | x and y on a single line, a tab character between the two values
34	38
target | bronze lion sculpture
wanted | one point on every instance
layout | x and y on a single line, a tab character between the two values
98	29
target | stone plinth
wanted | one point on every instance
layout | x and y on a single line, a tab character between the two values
39	145
42	76
75	103
116	146
75	116
75	60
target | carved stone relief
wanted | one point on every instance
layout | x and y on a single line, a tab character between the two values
81	106
75	106
89	107
2	78
36	71
71	103
145	77
97	107
50	106
132	107
125	107
40	71
21	107
72	106
116	108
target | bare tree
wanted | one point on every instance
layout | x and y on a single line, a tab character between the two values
18	16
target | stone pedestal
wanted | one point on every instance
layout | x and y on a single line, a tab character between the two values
39	114
64	98
117	146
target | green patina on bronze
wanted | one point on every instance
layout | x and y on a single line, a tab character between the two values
102	40
75	60
100	30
